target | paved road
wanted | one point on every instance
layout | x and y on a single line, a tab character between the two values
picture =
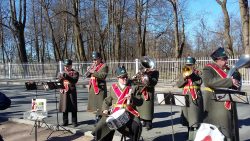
166	123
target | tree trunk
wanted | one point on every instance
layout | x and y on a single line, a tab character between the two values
145	30
183	38
176	30
227	36
138	14
118	42
42	36
78	36
2	37
36	45
244	12
56	49
19	25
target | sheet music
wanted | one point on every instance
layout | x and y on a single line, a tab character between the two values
180	100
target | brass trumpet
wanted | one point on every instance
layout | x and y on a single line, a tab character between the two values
89	71
187	71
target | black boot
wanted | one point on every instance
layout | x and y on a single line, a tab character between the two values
65	119
148	125
74	119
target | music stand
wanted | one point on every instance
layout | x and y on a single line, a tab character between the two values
234	96
173	98
36	115
225	94
54	86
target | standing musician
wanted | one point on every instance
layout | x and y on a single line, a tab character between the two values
68	97
148	79
97	84
190	80
120	97
221	114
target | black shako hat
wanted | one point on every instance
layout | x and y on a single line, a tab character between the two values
219	53
67	62
121	71
96	55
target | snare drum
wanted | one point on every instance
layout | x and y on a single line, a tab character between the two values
118	119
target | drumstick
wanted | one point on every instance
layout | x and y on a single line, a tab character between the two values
129	93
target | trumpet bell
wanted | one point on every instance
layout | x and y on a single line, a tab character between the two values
186	71
244	61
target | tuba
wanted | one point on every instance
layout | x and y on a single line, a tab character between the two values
244	61
187	71
147	64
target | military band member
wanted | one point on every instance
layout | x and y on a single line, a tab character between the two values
221	114
118	98
97	84
147	89
68	96
190	80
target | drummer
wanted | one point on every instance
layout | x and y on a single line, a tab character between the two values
120	97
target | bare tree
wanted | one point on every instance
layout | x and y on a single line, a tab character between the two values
43	43
227	36
57	54
36	45
2	35
244	12
118	8
141	11
77	32
174	4
19	26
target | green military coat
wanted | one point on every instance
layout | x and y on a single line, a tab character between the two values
146	110
193	114
95	100
101	130
215	112
68	99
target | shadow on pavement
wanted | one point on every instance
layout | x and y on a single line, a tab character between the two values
177	136
9	114
2	119
164	114
166	123
90	122
245	122
67	138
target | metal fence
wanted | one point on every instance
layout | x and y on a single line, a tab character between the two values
169	69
